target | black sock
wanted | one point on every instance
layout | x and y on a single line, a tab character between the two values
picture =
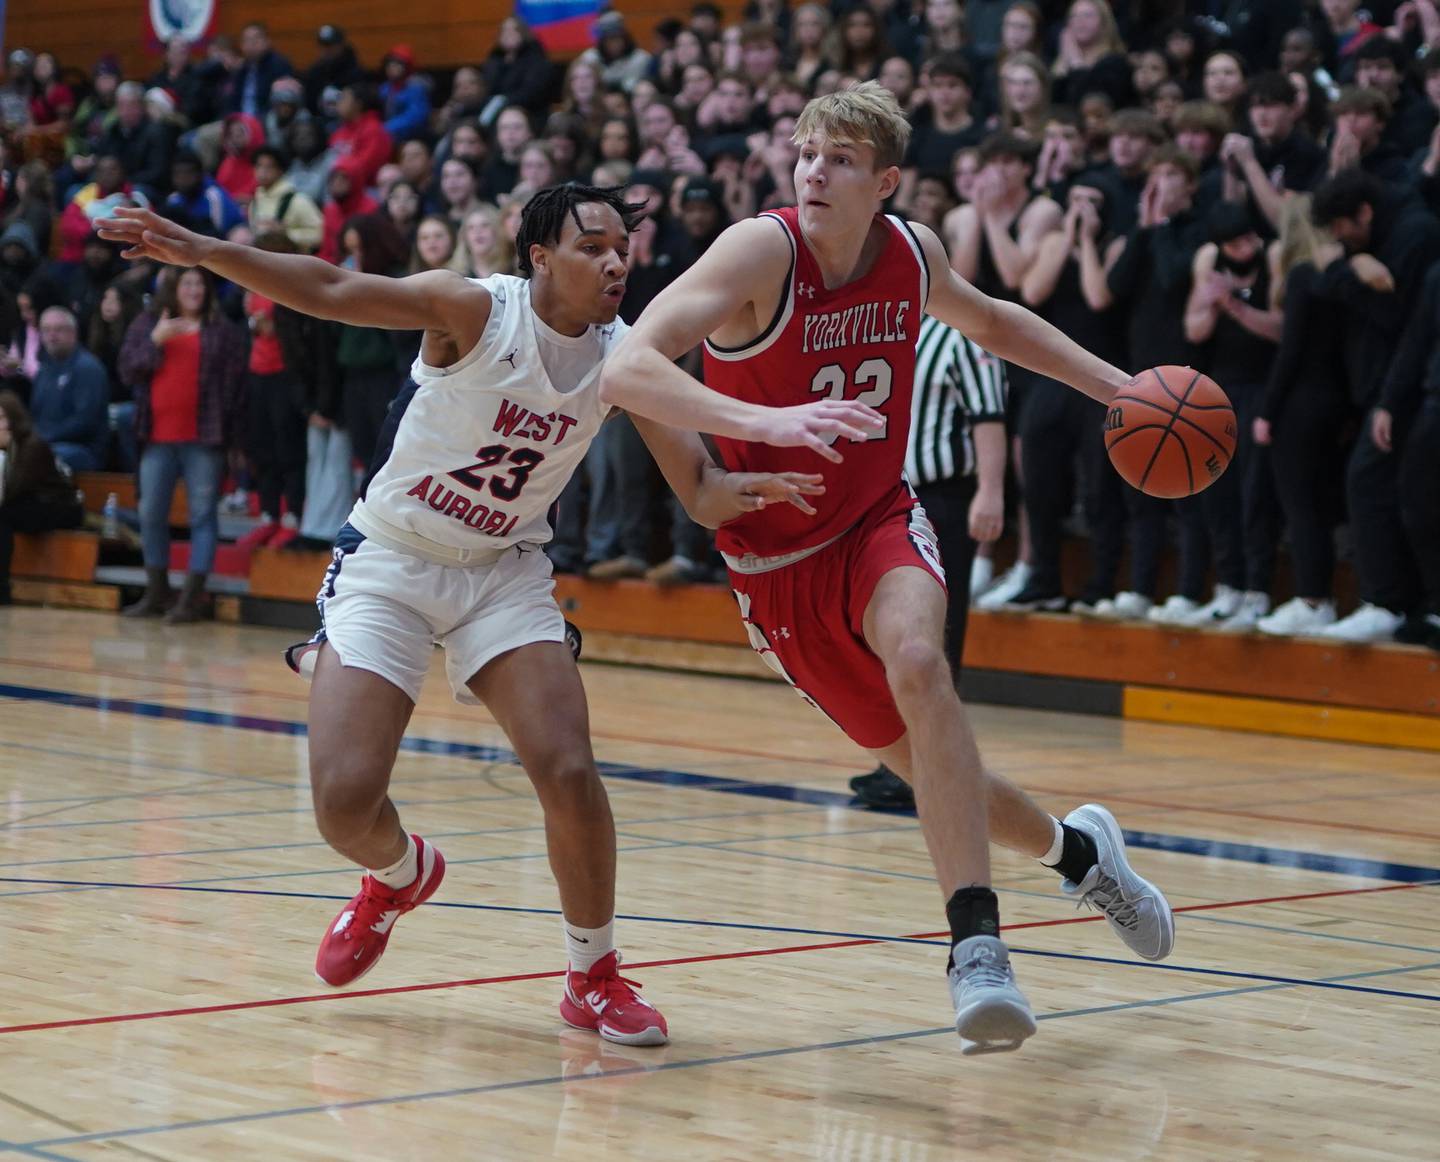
972	911
1078	855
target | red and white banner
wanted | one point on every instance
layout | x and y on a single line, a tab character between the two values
192	19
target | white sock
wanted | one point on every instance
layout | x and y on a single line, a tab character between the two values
587	946
401	873
289	521
1057	845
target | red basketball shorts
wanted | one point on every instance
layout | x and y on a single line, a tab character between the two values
806	619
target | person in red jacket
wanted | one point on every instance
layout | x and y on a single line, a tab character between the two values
361	135
348	197
242	137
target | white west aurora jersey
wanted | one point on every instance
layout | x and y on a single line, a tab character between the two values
486	446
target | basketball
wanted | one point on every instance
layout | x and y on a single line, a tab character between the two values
1171	433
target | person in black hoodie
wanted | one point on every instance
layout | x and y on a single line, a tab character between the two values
1391	228
19	256
517	71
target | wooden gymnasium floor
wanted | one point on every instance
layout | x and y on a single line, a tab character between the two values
164	889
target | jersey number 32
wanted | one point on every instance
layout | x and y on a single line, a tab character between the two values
875	376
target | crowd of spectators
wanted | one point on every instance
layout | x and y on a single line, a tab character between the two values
1250	187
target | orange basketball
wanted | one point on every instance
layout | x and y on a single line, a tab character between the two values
1172	433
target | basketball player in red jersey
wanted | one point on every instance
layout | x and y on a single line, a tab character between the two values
849	605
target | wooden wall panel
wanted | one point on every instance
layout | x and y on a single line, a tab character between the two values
443	33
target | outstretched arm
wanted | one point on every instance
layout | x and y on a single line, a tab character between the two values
711	495
1011	332
438	301
641	376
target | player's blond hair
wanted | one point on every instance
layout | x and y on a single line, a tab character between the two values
867	114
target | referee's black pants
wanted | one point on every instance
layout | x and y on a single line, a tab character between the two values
1386	567
947	504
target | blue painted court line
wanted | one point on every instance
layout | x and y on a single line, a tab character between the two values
33	1152
1188	845
320	843
306	810
503	908
127	760
664	1067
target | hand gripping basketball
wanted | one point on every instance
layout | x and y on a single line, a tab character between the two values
1171	432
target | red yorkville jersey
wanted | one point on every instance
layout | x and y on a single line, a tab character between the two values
854	342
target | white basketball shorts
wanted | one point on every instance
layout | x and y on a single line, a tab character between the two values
385	611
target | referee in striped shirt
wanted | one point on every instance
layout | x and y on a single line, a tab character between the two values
956	462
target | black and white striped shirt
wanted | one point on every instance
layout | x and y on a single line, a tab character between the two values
957	385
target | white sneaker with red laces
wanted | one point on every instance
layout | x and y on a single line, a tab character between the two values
358	935
603	1000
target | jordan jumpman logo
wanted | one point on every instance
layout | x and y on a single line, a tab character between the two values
510	359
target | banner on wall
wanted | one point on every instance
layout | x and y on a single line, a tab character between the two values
560	25
192	19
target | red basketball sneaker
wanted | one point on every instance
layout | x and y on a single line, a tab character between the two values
606	1002
359	934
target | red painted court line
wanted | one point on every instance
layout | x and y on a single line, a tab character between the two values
276	1002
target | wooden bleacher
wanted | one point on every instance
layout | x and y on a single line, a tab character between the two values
59	569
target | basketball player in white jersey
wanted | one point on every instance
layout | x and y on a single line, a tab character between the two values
445	548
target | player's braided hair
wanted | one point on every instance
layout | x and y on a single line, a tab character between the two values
545	213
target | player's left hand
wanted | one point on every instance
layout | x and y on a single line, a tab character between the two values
752	491
818	425
147	235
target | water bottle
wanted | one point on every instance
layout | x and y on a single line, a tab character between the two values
110	518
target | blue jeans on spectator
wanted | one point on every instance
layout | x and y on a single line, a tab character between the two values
160	466
329	482
77	457
602	527
587	522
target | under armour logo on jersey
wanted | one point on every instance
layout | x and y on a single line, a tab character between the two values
805	289
784	631
510	359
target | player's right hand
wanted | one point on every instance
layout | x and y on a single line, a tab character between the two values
147	235
818	425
